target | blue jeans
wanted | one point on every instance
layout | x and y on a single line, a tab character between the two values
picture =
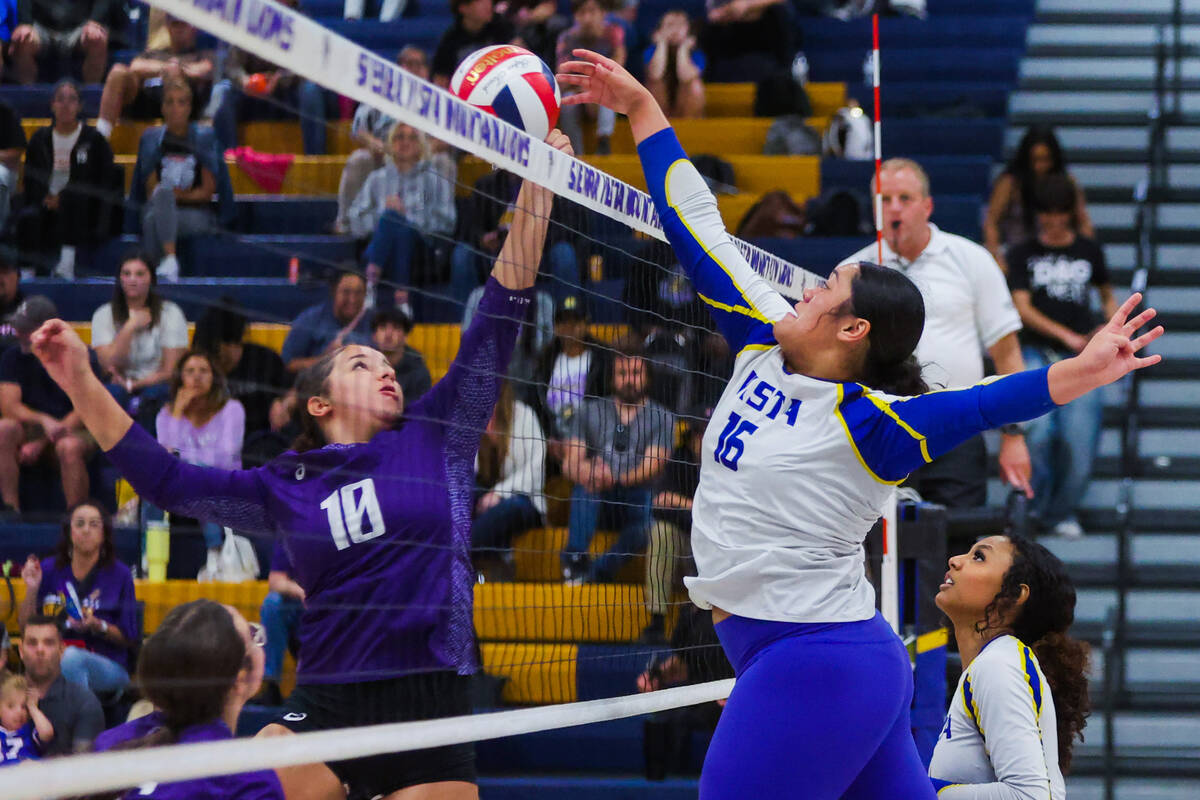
1062	446
467	263
101	675
229	103
626	509
495	528
281	617
396	247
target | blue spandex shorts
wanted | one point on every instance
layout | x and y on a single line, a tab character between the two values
819	711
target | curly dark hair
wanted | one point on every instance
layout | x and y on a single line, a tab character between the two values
1042	623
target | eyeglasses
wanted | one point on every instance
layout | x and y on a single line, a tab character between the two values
258	634
621	438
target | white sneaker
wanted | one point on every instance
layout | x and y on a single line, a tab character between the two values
65	268
168	269
1069	529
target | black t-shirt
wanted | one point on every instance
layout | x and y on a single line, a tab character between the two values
11	133
255	382
178	167
457	43
75	714
38	389
1059	280
681	475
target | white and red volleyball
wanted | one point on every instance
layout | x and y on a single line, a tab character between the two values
512	83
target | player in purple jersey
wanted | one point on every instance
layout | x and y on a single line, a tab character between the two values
198	669
375	517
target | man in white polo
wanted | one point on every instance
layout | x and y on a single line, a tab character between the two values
968	309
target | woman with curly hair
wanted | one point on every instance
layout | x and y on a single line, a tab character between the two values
1023	696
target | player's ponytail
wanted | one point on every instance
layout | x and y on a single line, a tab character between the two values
1042	623
187	669
312	382
893	305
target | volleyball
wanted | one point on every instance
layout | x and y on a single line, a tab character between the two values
512	83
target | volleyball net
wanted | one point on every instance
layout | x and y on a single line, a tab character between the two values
579	603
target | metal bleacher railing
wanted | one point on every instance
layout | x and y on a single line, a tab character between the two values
1154	188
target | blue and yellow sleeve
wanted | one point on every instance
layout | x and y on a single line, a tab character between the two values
894	436
743	305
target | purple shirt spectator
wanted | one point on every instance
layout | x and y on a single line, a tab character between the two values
218	443
261	785
107	591
381	608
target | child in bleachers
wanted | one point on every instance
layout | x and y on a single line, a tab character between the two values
24	729
674	67
593	31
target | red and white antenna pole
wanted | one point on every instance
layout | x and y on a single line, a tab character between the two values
878	137
889	579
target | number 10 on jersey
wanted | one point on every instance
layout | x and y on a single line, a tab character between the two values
348	508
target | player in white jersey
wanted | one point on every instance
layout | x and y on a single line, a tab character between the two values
1009	731
798	460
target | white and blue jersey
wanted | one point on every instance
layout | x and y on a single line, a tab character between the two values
19	745
1000	740
796	470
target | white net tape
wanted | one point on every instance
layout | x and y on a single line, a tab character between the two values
109	771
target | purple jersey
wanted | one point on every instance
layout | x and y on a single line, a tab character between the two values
107	591
19	745
279	559
262	785
379	533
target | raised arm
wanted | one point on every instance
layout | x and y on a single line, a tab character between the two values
234	498
894	436
744	306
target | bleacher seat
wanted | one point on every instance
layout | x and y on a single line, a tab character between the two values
929	64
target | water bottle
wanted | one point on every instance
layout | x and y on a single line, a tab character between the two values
158	548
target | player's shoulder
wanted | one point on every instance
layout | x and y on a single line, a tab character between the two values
1002	658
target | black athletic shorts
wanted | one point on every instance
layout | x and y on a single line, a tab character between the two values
429	695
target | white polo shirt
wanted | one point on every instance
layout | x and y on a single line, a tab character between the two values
968	307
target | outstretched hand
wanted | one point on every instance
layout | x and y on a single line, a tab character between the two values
62	353
1109	356
603	81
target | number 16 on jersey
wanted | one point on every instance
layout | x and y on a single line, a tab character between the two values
730	446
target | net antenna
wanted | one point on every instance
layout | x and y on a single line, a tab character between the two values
889	580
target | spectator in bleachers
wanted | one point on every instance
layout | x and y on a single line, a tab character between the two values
1051	277
967	310
369	129
254	373
12	146
71	192
592	31
198	669
747	40
137	88
265	444
37	421
402	206
569	367
670	535
138	336
1011	215
178	170
484	226
252	87
84	585
476	25
327	326
616	449
202	424
280	615
389	334
674	67
8	23
11	297
537	24
24	728
510	473
72	709
59	29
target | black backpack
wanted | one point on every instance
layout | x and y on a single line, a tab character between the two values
778	95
